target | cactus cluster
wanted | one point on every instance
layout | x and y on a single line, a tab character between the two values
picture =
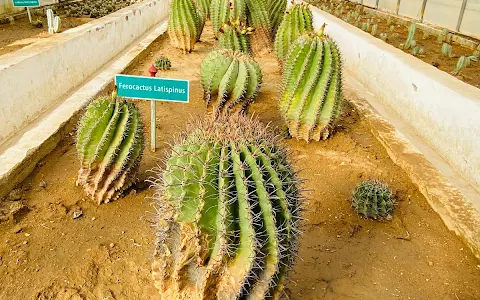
235	35
228	204
185	25
233	77
373	199
163	63
312	87
222	11
110	145
297	20
276	9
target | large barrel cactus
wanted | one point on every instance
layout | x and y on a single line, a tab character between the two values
228	204
233	77
297	21
184	25
222	11
312	87
235	35
110	144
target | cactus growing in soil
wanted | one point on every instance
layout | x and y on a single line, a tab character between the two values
233	76
204	7
447	50
373	199
296	21
312	87
184	25
235	35
221	11
110	145
163	63
228	205
276	9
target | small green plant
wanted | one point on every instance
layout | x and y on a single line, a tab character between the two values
229	207
463	62
110	145
447	50
416	50
373	199
233	77
37	23
235	35
383	36
365	26
163	63
442	36
374	30
410	43
312	87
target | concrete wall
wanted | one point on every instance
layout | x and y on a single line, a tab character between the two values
443	111
35	77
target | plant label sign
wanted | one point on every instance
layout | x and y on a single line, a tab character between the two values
26	3
152	88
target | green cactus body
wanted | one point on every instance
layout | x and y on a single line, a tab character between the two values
258	17
297	20
235	35
184	25
222	11
373	199
312	87
234	77
110	145
228	204
163	63
276	9
204	7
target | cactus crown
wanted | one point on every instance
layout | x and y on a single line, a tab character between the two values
163	63
234	77
235	35
110	145
312	87
296	21
229	205
373	199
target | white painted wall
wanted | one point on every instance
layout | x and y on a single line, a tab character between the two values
444	111
443	13
471	19
388	5
411	8
32	79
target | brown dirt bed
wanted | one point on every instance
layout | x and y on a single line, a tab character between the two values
107	252
432	49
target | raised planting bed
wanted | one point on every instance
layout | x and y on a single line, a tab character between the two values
106	252
17	32
395	32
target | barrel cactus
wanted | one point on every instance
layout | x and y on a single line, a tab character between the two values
110	145
229	205
373	199
258	17
235	35
297	21
204	7
184	25
312	87
222	11
276	9
233	77
163	63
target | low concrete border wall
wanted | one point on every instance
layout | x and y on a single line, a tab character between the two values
34	78
443	111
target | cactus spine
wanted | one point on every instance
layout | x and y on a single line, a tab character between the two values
222	11
373	199
184	25
229	205
231	75
235	35
312	87
110	145
297	20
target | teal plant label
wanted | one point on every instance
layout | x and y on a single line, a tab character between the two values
26	3
151	88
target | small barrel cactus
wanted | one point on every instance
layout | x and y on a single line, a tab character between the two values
221	11
235	35
229	205
163	63
373	199
297	21
312	87
110	145
233	76
184	25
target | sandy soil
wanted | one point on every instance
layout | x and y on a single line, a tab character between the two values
106	253
432	49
